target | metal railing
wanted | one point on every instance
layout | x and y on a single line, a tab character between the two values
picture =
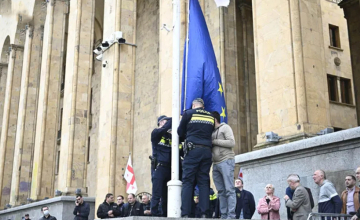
328	216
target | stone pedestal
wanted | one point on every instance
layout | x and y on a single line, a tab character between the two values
61	207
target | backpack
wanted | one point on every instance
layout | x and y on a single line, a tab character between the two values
311	197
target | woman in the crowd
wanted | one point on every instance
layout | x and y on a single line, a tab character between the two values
268	206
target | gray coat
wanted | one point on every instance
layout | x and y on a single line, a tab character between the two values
300	203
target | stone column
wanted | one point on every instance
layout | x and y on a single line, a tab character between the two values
42	181
289	72
74	133
9	121
20	128
3	74
351	11
116	100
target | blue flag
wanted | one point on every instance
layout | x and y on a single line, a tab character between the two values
201	76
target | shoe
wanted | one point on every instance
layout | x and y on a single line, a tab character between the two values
203	216
185	216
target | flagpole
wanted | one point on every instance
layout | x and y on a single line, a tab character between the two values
174	186
187	53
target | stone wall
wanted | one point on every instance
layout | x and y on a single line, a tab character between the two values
60	207
147	90
336	154
351	10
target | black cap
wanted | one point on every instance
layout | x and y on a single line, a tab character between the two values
163	117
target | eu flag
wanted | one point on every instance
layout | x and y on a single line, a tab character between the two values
201	76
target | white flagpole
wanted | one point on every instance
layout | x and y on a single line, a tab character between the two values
187	53
174	186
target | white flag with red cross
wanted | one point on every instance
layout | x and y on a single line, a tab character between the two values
240	176
130	178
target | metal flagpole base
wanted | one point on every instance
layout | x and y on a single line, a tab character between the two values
174	198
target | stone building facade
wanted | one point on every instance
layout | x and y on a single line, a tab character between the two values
68	121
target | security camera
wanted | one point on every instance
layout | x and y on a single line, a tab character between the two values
98	50
118	35
121	41
99	58
109	41
104	64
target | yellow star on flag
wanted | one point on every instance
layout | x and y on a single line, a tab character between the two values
223	112
220	89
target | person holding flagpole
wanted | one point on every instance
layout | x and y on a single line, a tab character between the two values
196	126
161	143
202	92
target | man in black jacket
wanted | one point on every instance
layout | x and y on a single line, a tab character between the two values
133	208
108	209
161	143
120	205
82	209
46	213
245	203
196	126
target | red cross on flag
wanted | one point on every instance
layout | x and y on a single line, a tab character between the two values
130	178
240	176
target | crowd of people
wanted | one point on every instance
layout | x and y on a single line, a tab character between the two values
206	142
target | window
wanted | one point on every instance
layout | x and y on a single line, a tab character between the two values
334	36
342	90
345	86
332	86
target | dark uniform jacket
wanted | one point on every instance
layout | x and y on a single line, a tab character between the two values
83	210
133	210
104	208
120	210
245	201
161	143
196	126
146	206
48	218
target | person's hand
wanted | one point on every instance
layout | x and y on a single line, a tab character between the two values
78	213
111	215
76	203
147	212
354	217
110	212
286	197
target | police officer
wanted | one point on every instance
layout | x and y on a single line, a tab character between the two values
161	143
196	126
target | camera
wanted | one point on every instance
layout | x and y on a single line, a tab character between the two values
104	64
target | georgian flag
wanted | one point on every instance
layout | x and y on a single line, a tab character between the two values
224	3
240	176
129	176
